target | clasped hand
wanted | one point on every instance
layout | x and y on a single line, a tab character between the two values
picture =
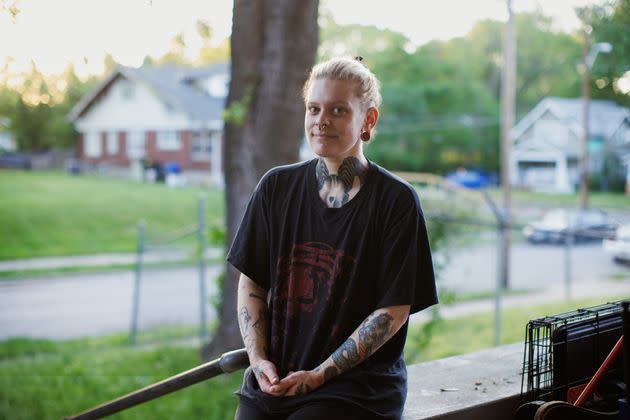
295	383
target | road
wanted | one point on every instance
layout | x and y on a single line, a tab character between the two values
94	304
474	269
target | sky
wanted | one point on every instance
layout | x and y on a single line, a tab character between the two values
54	33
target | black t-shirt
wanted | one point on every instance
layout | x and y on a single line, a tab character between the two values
326	269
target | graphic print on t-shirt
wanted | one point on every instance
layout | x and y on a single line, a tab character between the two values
304	289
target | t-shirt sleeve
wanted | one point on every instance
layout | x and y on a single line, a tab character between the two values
249	252
406	267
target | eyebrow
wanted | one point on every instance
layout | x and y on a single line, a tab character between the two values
333	103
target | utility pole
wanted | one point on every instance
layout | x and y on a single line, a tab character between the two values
589	54
586	98
508	95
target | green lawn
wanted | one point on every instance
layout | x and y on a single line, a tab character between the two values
52	213
41	379
603	200
475	332
46	379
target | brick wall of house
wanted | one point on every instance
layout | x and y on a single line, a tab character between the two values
181	156
121	157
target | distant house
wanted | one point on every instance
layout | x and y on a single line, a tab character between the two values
162	114
546	144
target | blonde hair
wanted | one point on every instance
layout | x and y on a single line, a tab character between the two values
347	68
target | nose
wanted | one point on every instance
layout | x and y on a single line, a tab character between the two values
322	121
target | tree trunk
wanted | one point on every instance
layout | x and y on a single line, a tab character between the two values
273	46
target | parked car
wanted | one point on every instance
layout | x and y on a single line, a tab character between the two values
619	245
469	178
15	160
586	225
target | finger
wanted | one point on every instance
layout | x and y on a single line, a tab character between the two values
291	375
269	370
288	381
290	392
263	382
280	388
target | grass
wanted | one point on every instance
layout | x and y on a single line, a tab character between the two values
459	297
603	200
47	379
55	214
476	332
43	379
52	213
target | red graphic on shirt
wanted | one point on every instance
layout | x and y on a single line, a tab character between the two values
304	287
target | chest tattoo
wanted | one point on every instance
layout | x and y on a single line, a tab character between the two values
336	189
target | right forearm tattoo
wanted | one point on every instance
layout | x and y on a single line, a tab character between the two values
259	327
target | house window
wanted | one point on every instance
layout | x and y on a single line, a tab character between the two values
202	146
168	140
126	90
112	143
551	131
135	144
92	143
218	86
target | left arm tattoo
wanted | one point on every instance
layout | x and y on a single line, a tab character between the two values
373	332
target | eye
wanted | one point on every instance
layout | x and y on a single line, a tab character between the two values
338	110
313	109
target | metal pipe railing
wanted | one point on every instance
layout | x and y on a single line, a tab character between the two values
228	362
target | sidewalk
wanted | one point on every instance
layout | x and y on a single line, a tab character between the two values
153	256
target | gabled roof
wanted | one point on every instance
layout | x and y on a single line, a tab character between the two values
604	116
171	84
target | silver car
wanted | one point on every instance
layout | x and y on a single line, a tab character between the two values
585	225
619	245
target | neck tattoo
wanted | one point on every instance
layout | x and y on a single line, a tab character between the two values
335	189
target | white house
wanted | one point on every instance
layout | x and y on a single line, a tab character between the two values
546	143
163	114
7	143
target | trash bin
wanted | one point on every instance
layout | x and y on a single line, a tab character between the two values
173	177
172	168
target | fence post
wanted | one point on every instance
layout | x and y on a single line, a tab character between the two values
203	231
136	288
568	244
502	226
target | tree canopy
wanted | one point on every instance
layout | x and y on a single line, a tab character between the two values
441	99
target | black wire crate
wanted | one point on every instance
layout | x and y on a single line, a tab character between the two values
562	352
